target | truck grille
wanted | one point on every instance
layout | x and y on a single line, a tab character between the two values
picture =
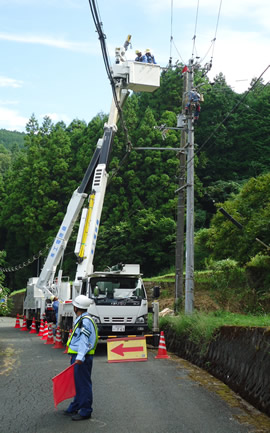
117	319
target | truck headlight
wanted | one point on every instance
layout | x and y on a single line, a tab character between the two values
141	319
96	319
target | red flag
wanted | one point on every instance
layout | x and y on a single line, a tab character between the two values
185	69
64	385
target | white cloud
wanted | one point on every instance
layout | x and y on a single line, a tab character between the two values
8	102
84	47
56	117
10	82
246	61
12	120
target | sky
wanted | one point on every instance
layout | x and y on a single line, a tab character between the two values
51	62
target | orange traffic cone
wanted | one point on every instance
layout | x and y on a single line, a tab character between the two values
58	340
24	325
33	327
45	331
162	351
69	335
17	324
41	329
50	339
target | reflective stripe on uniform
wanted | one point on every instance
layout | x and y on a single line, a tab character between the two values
86	332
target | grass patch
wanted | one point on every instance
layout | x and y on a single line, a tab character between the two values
17	291
164	279
200	328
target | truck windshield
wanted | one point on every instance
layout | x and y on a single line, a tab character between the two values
117	288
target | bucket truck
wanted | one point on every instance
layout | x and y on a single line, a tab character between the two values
118	298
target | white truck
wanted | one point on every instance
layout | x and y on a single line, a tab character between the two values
119	303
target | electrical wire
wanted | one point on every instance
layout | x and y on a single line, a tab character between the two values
102	37
215	37
184	63
172	43
227	116
195	29
171	38
35	257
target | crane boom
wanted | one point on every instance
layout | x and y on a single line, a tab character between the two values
126	75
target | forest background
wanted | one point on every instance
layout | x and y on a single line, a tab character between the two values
41	168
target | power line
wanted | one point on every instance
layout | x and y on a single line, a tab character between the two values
215	37
171	38
178	53
228	115
25	263
195	29
102	37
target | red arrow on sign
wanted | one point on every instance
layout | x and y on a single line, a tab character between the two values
119	350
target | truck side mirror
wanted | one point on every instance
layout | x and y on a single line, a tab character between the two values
156	292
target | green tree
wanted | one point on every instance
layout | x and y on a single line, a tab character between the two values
251	208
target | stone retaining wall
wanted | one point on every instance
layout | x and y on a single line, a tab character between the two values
238	356
17	304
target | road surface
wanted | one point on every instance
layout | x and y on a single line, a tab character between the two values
159	395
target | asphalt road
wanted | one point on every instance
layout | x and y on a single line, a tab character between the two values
159	395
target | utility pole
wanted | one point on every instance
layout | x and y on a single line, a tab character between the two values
180	225
189	284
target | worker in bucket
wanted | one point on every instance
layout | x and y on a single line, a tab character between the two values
139	56
81	346
148	57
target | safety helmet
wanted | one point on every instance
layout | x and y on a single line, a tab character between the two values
137	52
52	298
148	50
81	302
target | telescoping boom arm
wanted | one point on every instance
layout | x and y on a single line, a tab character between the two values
58	247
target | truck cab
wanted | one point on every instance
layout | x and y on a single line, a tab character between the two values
119	303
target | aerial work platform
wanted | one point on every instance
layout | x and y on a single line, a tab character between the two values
140	77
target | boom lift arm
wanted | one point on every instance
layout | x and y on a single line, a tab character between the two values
126	75
57	250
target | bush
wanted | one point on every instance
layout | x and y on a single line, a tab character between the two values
258	273
201	250
229	286
5	303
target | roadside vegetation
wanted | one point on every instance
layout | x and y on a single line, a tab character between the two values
225	294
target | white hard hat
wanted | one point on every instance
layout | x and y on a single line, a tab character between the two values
82	302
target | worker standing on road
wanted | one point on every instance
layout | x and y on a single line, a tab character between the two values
55	305
81	346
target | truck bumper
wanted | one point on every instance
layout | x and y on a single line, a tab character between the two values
107	330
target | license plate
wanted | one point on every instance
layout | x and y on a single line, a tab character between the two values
118	328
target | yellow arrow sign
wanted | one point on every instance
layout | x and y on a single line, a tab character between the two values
126	349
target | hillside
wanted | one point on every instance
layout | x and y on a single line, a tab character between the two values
138	223
211	295
11	139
